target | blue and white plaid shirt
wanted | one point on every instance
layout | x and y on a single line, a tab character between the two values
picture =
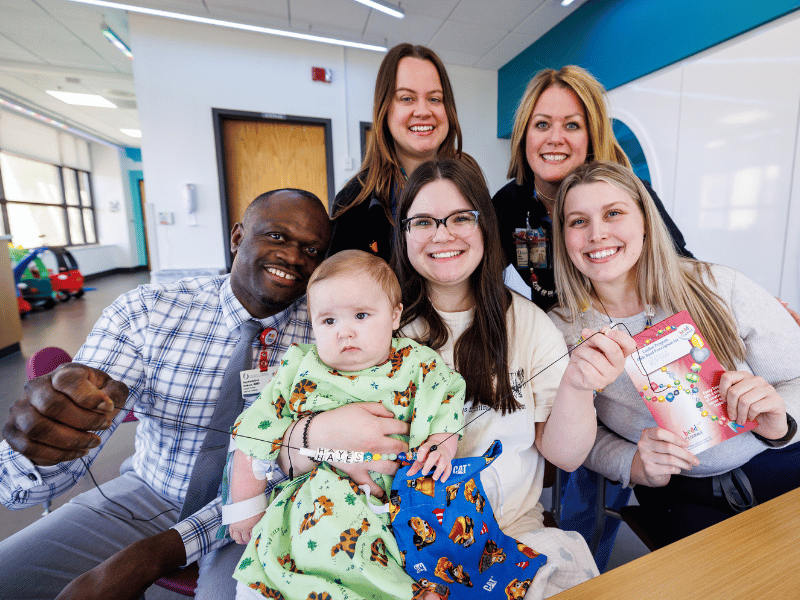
170	344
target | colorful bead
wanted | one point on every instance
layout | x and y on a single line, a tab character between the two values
376	456
367	456
699	405
393	456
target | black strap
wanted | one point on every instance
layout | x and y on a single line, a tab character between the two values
735	487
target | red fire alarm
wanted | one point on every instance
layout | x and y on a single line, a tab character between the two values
320	74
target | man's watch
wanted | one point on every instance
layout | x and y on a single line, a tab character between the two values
785	439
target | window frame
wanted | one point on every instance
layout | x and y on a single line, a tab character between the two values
62	205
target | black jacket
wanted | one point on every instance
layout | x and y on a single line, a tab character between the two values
363	227
517	208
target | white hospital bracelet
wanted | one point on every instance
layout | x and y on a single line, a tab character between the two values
239	511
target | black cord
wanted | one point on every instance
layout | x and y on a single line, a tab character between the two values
294	424
122	506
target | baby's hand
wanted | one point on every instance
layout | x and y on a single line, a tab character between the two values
441	458
241	531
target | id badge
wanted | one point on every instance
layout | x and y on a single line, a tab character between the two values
538	249
521	246
253	381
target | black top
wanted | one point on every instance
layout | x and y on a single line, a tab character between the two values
526	237
363	227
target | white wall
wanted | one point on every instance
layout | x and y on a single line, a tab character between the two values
183	70
114	212
115	249
720	132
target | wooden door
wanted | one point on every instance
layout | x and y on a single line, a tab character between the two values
263	155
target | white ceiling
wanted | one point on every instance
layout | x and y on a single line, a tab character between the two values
57	44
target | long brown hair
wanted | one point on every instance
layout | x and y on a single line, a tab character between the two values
603	144
663	278
381	168
481	352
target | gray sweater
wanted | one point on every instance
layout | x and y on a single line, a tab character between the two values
772	343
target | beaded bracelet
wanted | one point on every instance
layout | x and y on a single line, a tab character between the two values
305	430
348	456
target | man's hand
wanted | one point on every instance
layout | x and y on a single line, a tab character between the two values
52	421
127	574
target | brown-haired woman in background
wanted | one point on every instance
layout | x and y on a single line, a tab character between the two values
561	122
413	120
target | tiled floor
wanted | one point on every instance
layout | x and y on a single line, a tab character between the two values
66	326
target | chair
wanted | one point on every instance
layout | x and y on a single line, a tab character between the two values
580	504
42	362
45	360
638	520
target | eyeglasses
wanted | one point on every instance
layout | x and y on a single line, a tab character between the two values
459	224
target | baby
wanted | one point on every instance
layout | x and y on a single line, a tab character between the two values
321	536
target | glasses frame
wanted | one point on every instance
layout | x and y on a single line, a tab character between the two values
405	224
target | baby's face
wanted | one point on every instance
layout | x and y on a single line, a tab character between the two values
353	321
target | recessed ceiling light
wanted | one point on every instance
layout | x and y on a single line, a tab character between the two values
231	24
385	7
82	99
132	132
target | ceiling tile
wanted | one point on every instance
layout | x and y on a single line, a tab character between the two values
252	11
343	14
10	50
467	39
489	14
545	17
506	49
439	9
414	28
455	57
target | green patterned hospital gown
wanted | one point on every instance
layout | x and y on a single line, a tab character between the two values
319	538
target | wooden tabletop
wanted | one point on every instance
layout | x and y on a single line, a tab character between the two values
755	554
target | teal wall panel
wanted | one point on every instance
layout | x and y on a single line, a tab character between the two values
621	40
134	175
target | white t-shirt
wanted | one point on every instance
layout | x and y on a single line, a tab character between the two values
513	483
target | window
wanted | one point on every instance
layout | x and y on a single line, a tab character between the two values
44	204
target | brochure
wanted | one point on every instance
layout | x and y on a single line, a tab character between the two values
677	376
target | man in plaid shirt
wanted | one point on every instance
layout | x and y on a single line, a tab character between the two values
160	350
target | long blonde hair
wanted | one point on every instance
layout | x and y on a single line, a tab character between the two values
603	144
381	168
663	278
